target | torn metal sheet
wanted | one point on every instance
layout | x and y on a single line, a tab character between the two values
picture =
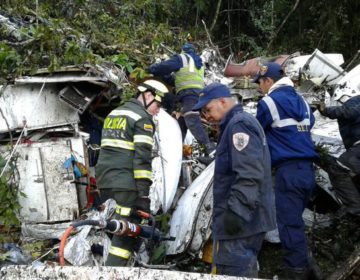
63	78
76	98
202	230
99	74
22	104
294	65
43	231
325	132
167	163
316	220
320	69
184	218
350	84
50	195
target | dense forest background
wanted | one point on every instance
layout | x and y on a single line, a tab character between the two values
130	32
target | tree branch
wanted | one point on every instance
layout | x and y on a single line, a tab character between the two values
212	44
216	15
283	23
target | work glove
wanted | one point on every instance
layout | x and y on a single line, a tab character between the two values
321	107
139	74
206	160
210	151
143	204
232	222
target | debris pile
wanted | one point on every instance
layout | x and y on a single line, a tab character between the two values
55	120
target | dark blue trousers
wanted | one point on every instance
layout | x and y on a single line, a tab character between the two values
238	257
188	99
294	183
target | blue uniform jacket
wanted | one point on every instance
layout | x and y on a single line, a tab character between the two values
348	116
242	180
287	119
165	68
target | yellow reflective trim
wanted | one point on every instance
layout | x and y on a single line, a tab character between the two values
142	174
116	143
127	113
122	253
115	123
143	139
123	211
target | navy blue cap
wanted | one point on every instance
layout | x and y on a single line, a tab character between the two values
188	47
269	70
210	92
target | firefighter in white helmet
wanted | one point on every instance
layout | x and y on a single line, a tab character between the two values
123	171
348	117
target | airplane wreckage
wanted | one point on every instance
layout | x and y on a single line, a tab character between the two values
54	124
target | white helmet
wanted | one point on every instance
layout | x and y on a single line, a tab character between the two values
156	87
348	86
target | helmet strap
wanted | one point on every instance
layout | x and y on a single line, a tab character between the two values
144	101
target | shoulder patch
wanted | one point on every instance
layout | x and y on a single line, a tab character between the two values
240	140
148	127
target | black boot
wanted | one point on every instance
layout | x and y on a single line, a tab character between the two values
314	270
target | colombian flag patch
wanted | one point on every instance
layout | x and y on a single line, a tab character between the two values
148	127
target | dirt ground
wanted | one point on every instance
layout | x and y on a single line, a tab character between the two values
331	246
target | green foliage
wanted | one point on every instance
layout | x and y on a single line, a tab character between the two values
123	61
130	33
9	60
158	254
9	204
127	93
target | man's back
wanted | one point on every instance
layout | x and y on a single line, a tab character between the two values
115	167
287	120
348	116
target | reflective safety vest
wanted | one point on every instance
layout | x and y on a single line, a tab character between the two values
189	76
126	147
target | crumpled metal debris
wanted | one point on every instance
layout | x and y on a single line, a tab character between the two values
316	220
78	249
14	254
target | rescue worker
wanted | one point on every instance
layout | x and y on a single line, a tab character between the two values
123	171
189	80
287	119
243	198
348	117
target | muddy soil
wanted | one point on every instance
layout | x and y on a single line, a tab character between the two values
331	247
